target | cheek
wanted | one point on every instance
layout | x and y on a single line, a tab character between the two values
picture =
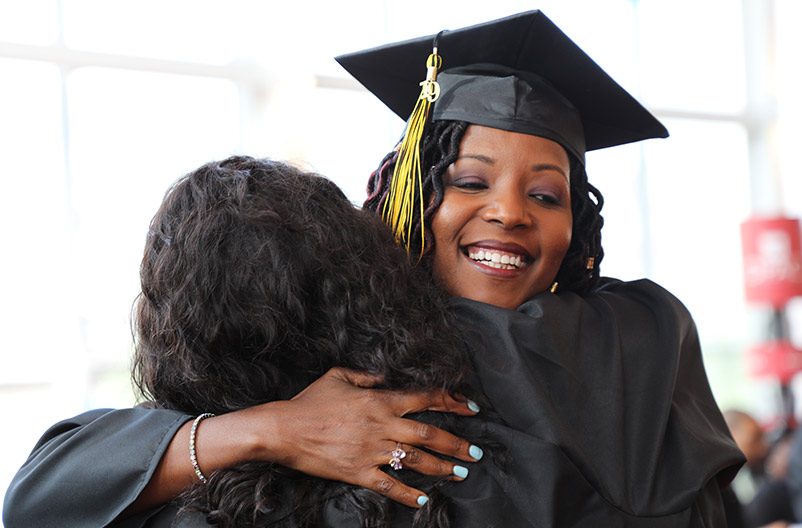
568	235
439	227
445	226
560	239
445	223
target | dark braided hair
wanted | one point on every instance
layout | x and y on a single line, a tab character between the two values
256	279
440	148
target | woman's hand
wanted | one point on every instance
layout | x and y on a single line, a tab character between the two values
338	430
334	429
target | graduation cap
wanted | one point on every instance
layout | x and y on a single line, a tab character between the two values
520	74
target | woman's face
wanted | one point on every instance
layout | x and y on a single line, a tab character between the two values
505	222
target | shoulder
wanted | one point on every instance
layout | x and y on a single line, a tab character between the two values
642	300
631	308
643	290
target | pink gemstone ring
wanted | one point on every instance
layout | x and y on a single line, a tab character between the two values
397	455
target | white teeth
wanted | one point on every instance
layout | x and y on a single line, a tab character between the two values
497	260
499	265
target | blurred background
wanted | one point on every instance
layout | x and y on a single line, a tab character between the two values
104	103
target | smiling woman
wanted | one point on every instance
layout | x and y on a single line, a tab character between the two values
509	211
598	402
504	225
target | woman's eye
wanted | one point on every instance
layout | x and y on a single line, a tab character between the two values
470	185
546	198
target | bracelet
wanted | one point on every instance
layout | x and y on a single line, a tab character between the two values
192	456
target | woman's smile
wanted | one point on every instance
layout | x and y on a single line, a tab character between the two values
504	224
491	255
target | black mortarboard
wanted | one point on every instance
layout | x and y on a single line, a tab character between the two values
520	74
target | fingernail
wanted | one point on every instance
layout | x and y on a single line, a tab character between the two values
423	499
476	452
472	406
461	472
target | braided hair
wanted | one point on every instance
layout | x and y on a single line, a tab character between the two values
440	148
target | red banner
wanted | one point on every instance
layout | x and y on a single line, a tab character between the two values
772	260
779	360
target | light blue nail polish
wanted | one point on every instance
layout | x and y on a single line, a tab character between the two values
423	499
461	472
476	452
472	406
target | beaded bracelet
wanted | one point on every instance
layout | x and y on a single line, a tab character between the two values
192	456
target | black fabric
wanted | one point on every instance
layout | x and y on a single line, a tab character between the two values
498	97
85	470
733	511
602	403
613	419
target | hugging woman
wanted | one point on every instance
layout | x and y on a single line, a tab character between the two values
257	279
594	387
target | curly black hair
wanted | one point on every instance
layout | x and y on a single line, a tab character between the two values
256	279
440	148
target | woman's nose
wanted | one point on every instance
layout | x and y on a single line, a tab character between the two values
508	209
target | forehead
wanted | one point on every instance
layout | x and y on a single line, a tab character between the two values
502	146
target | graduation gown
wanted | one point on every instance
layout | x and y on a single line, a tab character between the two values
601	402
606	409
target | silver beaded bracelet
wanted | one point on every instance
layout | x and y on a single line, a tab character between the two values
192	455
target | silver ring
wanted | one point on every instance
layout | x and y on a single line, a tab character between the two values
397	455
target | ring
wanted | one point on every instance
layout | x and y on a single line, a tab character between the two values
398	454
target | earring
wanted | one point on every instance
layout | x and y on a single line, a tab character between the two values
589	263
553	287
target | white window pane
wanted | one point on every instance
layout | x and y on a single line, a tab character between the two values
789	88
312	42
616	173
698	191
34	224
30	128
132	134
692	54
29	21
358	131
188	30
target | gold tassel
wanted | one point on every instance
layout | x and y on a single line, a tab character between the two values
407	181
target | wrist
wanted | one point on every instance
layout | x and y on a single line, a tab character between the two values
192	445
260	431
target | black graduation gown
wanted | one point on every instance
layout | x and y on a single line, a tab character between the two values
603	405
611	421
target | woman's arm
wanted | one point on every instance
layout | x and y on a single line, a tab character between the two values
85	470
333	429
90	469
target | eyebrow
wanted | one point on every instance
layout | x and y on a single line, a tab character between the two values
537	167
479	157
550	166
